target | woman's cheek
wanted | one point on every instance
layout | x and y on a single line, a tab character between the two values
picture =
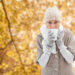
57	26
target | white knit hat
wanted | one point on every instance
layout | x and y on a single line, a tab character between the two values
52	13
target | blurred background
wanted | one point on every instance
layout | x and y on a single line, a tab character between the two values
20	22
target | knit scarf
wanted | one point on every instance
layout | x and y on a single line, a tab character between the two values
44	31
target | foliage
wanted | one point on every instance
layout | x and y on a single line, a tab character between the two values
20	21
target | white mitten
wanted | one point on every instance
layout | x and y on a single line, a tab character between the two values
63	49
44	59
46	54
48	48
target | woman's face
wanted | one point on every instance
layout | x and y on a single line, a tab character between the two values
52	24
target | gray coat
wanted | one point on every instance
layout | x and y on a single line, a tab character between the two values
57	64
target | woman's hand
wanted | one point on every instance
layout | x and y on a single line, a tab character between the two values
59	40
51	36
49	43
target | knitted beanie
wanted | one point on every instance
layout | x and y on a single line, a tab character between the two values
52	13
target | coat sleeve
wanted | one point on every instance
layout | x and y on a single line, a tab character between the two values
39	48
71	44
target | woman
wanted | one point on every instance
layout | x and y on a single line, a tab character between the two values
55	45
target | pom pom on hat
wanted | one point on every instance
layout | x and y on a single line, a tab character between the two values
52	13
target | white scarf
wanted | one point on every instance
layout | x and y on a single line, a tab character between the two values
44	30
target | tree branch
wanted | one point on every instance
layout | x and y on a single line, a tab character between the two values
9	27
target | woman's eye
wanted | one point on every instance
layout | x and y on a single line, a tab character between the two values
55	22
49	22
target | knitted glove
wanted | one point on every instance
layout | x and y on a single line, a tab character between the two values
63	49
59	41
49	42
48	47
46	54
43	59
51	36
